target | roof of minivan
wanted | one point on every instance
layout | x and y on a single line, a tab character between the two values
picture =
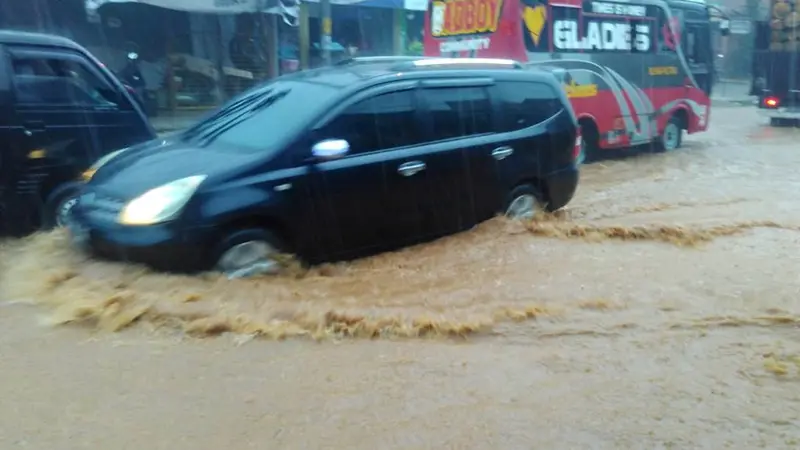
28	38
340	76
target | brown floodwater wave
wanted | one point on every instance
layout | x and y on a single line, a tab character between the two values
676	235
455	287
618	211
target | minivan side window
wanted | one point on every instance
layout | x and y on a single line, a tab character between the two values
60	82
459	111
377	123
526	103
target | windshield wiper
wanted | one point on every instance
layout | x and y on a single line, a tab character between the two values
210	135
223	112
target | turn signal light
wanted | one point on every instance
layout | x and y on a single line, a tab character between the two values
87	175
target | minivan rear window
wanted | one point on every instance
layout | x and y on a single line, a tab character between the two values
525	103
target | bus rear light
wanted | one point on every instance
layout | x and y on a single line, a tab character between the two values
771	102
577	151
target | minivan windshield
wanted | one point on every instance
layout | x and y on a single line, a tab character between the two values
260	118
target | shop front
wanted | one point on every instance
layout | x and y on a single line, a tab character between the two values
192	54
361	28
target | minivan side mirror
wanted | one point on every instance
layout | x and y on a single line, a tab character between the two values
330	149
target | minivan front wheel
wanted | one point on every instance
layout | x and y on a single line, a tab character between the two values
248	253
523	203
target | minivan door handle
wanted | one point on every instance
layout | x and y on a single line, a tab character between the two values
411	168
502	153
34	127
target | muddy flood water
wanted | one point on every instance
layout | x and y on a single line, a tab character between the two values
660	310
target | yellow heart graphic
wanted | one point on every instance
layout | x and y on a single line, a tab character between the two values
534	21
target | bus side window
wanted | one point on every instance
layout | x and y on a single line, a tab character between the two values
666	40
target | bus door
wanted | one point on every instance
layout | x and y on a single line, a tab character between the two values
697	49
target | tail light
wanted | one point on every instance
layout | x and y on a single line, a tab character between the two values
771	102
577	151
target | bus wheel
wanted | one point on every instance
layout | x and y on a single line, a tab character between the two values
590	139
672	136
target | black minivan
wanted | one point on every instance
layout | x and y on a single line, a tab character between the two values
60	111
334	163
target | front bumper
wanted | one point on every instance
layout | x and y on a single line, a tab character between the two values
168	247
560	187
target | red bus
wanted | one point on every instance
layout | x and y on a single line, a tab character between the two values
636	72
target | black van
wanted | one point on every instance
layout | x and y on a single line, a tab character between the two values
334	163
60	110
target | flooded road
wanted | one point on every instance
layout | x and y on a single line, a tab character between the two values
659	311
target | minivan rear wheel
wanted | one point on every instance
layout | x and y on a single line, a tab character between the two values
249	252
524	203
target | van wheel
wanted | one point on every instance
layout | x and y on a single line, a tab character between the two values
672	137
57	210
524	203
249	252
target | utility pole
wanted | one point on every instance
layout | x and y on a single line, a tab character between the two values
326	24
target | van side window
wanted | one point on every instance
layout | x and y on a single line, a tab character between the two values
458	111
52	81
378	123
525	103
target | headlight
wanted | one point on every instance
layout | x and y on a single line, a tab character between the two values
160	204
89	173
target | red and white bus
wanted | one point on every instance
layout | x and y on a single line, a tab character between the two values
637	72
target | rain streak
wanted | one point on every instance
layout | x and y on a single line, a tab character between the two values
658	309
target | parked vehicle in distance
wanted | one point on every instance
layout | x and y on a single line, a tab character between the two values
334	163
60	111
776	64
636	71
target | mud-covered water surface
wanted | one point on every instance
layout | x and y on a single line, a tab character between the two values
660	309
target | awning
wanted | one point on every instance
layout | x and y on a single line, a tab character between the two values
209	6
283	7
410	5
